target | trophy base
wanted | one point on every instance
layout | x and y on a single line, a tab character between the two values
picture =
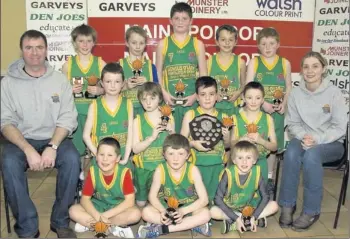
165	120
78	95
246	222
90	96
225	97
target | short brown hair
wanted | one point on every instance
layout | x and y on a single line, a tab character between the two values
176	141
150	88
135	29
244	146
112	67
84	30
111	142
268	32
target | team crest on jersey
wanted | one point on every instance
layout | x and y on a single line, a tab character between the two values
191	56
280	77
326	109
259	76
190	191
55	98
104	128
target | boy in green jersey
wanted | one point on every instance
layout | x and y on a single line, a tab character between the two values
110	115
148	138
210	162
136	39
108	193
228	70
241	185
85	65
178	183
180	58
274	73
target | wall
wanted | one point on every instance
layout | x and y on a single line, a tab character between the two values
13	24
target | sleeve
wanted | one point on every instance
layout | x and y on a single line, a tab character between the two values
68	113
8	115
294	119
128	186
339	121
155	74
219	198
264	197
88	189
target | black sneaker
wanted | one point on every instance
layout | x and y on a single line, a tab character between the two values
37	235
64	232
286	217
304	221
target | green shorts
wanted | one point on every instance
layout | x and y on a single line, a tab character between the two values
179	113
142	181
210	177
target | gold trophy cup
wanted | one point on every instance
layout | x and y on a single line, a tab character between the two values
166	112
180	92
247	214
225	83
173	205
278	96
137	67
78	81
92	81
227	122
252	128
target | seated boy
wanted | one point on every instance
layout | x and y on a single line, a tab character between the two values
108	193
180	181
242	185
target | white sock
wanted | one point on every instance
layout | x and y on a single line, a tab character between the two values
270	175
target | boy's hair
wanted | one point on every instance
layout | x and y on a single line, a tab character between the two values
268	32
228	28
135	29
244	146
84	30
319	57
181	7
32	34
176	141
111	142
253	85
112	67
150	88
206	81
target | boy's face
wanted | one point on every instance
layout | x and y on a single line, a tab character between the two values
107	158
136	44
226	42
181	22
207	97
253	99
268	46
244	160
84	44
112	83
176	158
150	102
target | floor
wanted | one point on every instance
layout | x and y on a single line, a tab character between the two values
42	191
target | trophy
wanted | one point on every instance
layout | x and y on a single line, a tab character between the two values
173	205
252	128
76	81
166	112
278	96
206	128
224	83
227	122
100	228
247	214
137	67
92	81
180	92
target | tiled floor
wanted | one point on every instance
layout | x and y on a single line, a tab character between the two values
42	188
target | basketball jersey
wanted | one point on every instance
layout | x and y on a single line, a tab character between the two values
263	122
271	76
75	69
238	196
109	123
153	155
217	154
180	63
108	196
183	189
131	94
231	72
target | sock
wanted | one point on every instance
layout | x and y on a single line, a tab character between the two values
164	229
270	175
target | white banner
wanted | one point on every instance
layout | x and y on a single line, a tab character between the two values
56	19
331	39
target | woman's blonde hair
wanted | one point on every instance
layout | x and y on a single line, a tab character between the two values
319	57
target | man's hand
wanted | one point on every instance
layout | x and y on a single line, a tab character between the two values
190	100
33	159
48	157
307	141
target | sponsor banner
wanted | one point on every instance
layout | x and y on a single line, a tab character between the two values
56	19
331	39
273	10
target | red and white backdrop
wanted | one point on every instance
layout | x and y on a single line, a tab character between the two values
293	19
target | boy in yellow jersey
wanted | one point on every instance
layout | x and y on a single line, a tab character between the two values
110	115
210	162
180	58
228	70
242	185
83	64
274	73
108	193
149	135
136	39
178	183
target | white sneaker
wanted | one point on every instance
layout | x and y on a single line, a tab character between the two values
80	228
122	232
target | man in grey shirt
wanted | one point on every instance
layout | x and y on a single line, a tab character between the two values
37	115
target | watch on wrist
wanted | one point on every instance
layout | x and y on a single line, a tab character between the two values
54	146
